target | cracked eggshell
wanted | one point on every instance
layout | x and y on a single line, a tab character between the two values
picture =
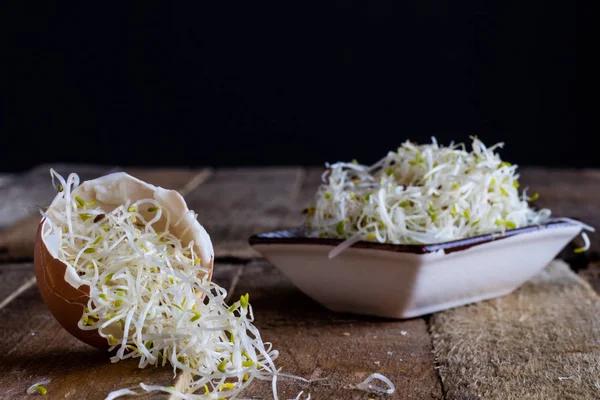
65	294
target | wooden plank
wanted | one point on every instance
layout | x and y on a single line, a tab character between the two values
317	343
592	275
15	279
5	179
568	193
35	347
233	204
183	180
19	202
540	342
17	240
304	198
26	192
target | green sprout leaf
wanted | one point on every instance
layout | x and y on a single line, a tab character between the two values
80	201
508	224
85	216
196	317
40	389
339	228
534	197
244	300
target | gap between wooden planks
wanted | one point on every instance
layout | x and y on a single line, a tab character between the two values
232	204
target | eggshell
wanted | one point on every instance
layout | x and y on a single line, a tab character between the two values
63	291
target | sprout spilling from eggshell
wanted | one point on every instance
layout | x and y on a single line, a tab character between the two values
124	265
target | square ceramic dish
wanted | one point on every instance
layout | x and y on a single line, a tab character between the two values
405	281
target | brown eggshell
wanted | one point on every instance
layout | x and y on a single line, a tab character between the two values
64	301
67	303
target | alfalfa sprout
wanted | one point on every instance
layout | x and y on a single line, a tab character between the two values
422	194
39	388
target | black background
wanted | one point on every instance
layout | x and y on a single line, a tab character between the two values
288	83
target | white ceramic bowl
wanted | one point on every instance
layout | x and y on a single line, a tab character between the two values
405	281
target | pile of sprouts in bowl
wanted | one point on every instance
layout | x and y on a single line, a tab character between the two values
422	194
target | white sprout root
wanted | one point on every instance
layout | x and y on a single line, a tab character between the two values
421	194
38	387
120	393
367	385
299	396
150	299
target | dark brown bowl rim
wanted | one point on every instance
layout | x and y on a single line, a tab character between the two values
296	236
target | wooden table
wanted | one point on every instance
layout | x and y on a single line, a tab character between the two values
233	204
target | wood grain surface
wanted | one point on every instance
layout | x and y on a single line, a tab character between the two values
26	192
572	194
539	342
14	280
233	204
343	348
236	203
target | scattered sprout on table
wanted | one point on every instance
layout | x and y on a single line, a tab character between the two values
39	388
367	385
